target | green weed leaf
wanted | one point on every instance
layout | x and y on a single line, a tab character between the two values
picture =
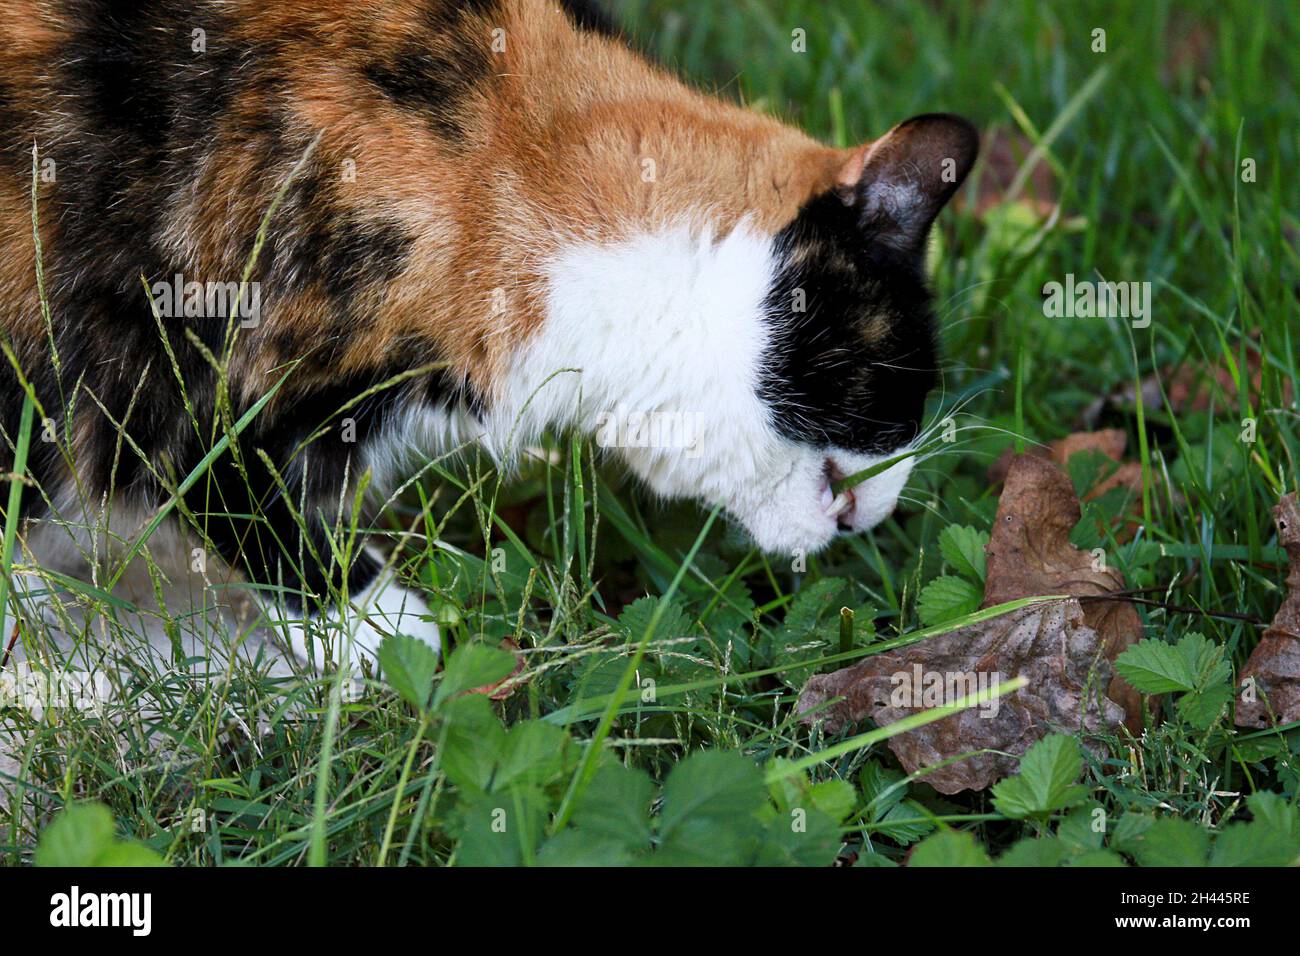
946	598
83	835
472	665
1171	841
963	548
1155	667
409	665
1046	781
949	848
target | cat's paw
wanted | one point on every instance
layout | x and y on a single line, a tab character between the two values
354	635
387	608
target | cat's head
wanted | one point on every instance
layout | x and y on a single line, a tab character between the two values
853	352
798	356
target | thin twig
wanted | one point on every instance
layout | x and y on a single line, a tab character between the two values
13	639
1176	608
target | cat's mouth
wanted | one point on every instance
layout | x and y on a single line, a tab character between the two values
838	506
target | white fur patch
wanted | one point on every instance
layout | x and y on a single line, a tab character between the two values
671	326
654	345
418	432
384	608
658	323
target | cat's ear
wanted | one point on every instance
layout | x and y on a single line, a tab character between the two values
899	183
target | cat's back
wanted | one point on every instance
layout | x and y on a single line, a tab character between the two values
164	129
406	147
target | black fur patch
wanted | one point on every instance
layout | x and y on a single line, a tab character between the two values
363	252
436	78
430	83
140	108
313	242
270	546
131	69
854	368
15	136
274	549
590	15
115	64
139	112
342	254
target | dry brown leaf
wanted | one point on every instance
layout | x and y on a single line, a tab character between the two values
1029	552
1275	662
1047	643
1110	442
1065	648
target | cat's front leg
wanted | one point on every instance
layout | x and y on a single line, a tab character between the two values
382	608
326	612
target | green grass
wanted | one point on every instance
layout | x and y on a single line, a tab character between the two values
602	589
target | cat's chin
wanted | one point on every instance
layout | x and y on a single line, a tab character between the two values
803	517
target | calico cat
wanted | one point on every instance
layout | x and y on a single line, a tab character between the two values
484	219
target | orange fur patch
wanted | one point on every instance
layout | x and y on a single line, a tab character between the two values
570	135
